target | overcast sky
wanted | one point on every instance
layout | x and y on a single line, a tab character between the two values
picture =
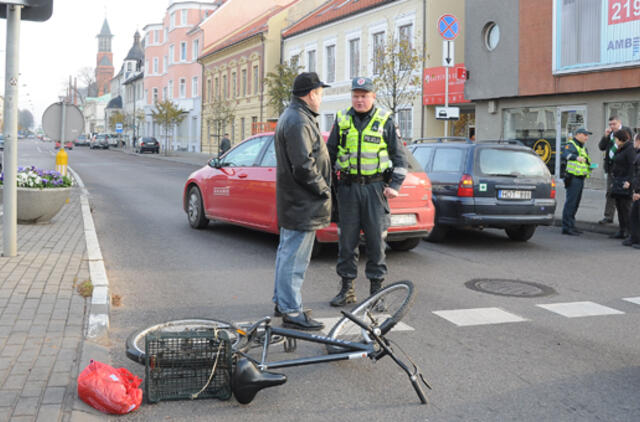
51	51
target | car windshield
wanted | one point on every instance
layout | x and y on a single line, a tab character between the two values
510	163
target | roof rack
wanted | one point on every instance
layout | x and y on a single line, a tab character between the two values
442	139
501	141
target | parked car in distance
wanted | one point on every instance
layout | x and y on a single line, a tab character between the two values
240	188
1	142
114	138
498	184
148	144
81	140
67	145
101	141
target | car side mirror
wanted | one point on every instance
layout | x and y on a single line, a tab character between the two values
215	163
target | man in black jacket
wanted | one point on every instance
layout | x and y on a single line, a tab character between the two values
225	144
634	217
303	196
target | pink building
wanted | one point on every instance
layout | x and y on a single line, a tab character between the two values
172	70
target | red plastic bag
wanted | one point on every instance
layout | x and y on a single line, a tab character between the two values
108	389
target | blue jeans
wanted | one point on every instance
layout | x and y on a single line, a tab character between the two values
292	260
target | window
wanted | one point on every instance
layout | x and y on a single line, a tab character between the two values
183	88
311	61
295	60
165	66
328	121
157	36
423	156
269	159
225	87
378	50
146	95
172	56
405	37
166	35
172	22
196	47
129	67
183	17
579	28
448	160
354	58
234	85
628	111
245	154
405	123
208	93
194	86
331	62
164	93
233	129
491	35
242	128
493	162
155	65
170	90
155	95
216	92
256	80
183	51
146	67
244	84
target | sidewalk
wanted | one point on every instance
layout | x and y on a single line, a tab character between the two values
42	321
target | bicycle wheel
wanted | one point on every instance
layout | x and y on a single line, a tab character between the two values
383	310
135	342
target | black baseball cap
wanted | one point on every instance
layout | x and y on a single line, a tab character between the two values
305	82
583	130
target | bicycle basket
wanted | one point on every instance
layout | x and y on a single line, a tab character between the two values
188	365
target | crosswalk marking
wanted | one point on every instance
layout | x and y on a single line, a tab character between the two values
635	300
580	309
478	316
330	322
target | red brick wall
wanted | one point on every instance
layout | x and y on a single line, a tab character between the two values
535	64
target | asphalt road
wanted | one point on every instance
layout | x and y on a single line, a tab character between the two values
544	365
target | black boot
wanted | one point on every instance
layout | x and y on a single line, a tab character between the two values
346	295
376	285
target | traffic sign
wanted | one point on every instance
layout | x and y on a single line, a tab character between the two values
118	127
448	53
32	10
448	27
52	121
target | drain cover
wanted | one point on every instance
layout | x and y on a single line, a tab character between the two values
506	287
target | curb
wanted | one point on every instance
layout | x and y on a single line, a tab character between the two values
98	325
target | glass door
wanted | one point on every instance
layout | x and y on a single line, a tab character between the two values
569	119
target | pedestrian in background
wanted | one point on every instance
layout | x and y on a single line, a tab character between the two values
622	172
303	196
365	145
576	156
225	144
634	216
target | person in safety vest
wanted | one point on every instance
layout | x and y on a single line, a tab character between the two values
576	156
371	164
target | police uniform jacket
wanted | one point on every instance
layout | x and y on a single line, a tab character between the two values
395	149
303	173
571	153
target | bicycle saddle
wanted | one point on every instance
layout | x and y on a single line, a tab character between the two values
247	380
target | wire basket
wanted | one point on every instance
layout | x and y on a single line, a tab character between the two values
188	365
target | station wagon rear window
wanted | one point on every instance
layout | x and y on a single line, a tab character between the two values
504	162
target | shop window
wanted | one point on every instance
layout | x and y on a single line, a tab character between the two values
627	111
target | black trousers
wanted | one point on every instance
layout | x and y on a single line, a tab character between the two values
624	212
634	222
572	198
362	207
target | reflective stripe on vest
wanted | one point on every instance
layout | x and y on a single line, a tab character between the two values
575	167
362	153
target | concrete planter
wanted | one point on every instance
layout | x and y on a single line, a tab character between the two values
39	205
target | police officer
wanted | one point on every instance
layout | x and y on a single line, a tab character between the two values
371	165
576	156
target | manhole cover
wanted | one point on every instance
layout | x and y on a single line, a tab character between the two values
506	287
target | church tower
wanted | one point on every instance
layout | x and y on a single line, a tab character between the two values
104	60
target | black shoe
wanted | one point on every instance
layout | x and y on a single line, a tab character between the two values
627	242
606	221
276	312
346	295
636	246
578	231
617	235
301	321
570	233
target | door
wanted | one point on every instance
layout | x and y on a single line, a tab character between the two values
569	119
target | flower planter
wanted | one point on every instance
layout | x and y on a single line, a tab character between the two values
39	205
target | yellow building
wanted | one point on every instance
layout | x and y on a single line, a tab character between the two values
234	67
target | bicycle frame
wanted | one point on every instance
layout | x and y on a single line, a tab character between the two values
354	350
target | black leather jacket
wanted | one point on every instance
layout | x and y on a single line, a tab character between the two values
623	162
635	182
303	174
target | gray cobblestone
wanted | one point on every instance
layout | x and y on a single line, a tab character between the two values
27	406
8	398
59	379
50	413
54	395
33	389
14	382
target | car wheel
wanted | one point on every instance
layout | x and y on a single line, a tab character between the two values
521	233
405	245
195	210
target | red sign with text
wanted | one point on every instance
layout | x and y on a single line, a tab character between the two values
621	11
433	85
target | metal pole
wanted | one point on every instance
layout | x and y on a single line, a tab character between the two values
62	123
10	190
446	98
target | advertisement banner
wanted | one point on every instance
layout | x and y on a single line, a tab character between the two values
433	85
596	34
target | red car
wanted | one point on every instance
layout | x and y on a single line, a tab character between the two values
67	145
240	188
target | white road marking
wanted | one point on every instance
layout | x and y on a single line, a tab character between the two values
478	316
635	300
580	309
331	321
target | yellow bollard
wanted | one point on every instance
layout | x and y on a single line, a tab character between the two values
62	160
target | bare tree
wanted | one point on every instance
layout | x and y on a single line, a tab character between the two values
279	83
221	112
167	115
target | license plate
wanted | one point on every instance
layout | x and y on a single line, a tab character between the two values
514	194
403	220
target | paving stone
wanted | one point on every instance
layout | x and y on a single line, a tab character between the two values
59	379
50	413
8	398
54	395
14	382
33	388
11	351
27	406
